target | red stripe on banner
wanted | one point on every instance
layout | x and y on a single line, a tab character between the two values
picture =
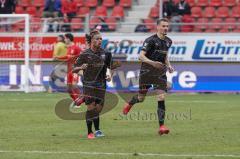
40	47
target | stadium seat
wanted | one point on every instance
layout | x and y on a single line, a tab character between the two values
215	3
19	10
174	1
201	24
196	12
187	19
210	31
118	12
201	3
229	3
230	26
215	23
222	12
94	21
38	3
186	28
236	30
154	12
80	3
24	3
32	11
149	23
209	12
224	30
112	23
197	30
236	12
191	3
77	24
108	3
125	3
101	11
91	3
83	11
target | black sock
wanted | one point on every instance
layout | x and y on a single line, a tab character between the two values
96	123
134	100
89	122
161	112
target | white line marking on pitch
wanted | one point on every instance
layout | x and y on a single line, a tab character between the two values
123	154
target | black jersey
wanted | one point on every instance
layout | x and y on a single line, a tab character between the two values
97	65
156	48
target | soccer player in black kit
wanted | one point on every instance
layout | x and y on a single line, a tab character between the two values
154	65
94	62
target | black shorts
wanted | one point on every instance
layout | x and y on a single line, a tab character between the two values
94	93
157	82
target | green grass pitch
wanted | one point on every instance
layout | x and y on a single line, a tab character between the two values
202	124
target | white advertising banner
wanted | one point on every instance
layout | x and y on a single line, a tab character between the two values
184	48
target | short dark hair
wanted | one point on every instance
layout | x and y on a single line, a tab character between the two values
162	20
69	36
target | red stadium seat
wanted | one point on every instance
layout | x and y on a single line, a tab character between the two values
101	11
215	3
80	3
197	30
215	23
196	12
112	23
24	3
19	10
210	31
154	12
108	3
236	12
186	28
77	24
91	3
236	30
187	19
118	12
191	3
201	3
38	3
209	12
229	3
83	11
94	21
222	12
224	30
125	3
174	1
230	26
201	24
32	11
149	23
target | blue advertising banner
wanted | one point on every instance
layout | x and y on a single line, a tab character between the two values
191	77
